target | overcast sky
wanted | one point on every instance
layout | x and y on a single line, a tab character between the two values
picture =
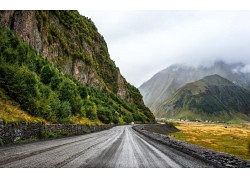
144	42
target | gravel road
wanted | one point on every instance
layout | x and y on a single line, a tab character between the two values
119	146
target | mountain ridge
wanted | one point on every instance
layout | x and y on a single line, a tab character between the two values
164	83
212	97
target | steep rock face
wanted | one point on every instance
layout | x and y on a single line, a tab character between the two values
165	83
73	44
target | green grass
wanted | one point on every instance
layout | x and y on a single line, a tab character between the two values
48	134
86	131
32	139
172	123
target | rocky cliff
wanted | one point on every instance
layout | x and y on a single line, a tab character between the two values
56	66
73	44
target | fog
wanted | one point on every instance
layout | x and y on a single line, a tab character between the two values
144	42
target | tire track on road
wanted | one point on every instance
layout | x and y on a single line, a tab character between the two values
106	154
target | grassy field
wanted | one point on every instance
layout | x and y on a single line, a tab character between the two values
229	138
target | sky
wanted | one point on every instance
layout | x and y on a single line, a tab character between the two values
143	43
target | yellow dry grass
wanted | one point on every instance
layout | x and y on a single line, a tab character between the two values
229	138
10	112
13	113
86	121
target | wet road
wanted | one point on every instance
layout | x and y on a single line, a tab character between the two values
120	146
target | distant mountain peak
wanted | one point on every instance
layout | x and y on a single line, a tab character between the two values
166	82
212	97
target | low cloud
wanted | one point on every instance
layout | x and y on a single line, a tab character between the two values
245	69
145	42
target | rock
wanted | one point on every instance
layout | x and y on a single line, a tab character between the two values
229	166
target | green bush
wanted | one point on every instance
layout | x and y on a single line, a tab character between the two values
107	116
32	139
91	112
104	115
128	118
83	91
172	123
68	92
55	81
64	110
138	117
49	134
1	142
47	73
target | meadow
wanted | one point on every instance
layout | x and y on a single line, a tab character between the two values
229	138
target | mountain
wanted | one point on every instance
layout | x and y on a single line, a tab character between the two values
163	84
212	98
59	57
72	43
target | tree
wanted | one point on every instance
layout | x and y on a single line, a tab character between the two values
47	73
83	91
128	118
65	110
103	115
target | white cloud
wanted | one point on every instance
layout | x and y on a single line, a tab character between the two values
144	42
245	69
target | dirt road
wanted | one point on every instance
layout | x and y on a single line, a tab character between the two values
120	146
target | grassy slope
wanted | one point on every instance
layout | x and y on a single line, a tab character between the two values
212	98
234	139
10	111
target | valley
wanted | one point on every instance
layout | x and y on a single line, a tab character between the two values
229	138
57	79
167	91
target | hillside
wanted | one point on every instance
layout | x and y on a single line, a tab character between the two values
163	84
72	43
55	65
211	98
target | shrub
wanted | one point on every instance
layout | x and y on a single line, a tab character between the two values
138	117
49	134
64	110
68	92
55	81
1	142
172	123
47	73
102	115
128	118
83	91
91	112
32	139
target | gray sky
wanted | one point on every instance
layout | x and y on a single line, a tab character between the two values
144	42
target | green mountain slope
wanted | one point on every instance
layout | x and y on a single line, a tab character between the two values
44	89
72	43
211	98
166	82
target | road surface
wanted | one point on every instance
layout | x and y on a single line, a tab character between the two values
119	146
